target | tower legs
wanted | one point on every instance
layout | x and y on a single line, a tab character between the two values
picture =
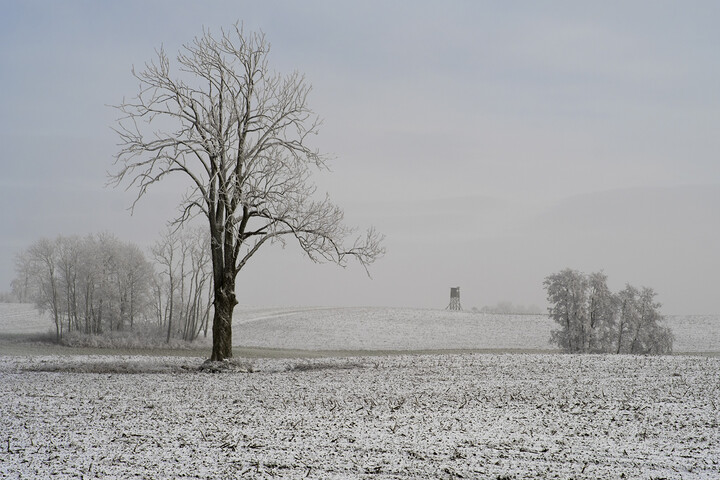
454	304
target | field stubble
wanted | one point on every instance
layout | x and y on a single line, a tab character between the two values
435	416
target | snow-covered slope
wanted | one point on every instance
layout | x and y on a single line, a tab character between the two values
378	328
373	328
22	319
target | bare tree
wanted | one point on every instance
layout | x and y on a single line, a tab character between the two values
134	279
84	282
38	265
183	283
239	134
627	318
164	253
197	307
90	274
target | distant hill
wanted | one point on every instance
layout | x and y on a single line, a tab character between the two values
378	328
374	328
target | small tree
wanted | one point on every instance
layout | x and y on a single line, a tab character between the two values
592	319
183	283
238	133
567	293
601	313
627	318
165	253
639	328
37	266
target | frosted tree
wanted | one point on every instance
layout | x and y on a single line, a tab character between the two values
567	293
68	258
640	328
165	254
239	134
182	285
593	319
134	279
86	283
38	267
601	314
627	318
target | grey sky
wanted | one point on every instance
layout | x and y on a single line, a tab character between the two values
493	143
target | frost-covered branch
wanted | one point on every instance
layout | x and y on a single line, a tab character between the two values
239	134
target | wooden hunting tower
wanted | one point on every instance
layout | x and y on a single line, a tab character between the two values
454	299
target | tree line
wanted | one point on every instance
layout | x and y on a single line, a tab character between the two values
97	284
593	319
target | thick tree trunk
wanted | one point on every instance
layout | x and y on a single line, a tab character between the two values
222	325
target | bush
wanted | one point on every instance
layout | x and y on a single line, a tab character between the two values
141	337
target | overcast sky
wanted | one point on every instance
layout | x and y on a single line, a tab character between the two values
494	143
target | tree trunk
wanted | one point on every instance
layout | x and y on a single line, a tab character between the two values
620	335
222	324
171	306
56	309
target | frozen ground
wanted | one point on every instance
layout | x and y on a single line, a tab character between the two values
438	416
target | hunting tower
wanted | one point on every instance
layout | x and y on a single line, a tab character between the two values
454	299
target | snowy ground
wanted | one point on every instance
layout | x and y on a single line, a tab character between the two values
391	329
436	416
374	328
23	318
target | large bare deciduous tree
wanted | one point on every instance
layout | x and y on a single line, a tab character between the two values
238	132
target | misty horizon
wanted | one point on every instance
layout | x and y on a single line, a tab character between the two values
492	145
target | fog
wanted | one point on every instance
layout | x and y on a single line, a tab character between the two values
492	144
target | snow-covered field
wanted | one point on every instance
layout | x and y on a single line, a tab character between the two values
23	318
376	328
406	416
435	416
389	329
